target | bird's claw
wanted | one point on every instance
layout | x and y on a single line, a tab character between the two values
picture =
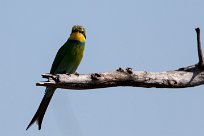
75	73
55	78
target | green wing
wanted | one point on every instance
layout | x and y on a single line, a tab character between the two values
58	58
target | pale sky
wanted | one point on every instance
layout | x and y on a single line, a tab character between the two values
145	35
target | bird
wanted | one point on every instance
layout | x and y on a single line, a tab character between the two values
66	61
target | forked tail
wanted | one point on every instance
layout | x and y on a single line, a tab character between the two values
38	117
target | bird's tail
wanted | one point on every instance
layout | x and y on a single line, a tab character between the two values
38	117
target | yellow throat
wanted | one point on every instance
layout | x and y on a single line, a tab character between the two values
77	36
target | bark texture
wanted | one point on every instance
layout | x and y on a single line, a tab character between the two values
184	77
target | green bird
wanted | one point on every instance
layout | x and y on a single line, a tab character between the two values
67	60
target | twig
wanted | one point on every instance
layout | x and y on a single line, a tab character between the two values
200	54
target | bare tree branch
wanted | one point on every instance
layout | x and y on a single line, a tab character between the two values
183	77
200	53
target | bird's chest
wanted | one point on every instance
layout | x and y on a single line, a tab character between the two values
72	59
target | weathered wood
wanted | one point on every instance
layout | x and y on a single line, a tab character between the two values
184	77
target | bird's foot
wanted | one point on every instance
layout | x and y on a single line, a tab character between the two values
55	78
75	73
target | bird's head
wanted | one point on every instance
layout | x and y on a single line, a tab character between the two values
78	33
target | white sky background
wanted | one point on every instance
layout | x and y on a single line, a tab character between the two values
145	35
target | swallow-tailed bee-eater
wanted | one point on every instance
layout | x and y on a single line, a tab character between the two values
67	60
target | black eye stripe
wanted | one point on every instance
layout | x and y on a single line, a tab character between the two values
77	31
